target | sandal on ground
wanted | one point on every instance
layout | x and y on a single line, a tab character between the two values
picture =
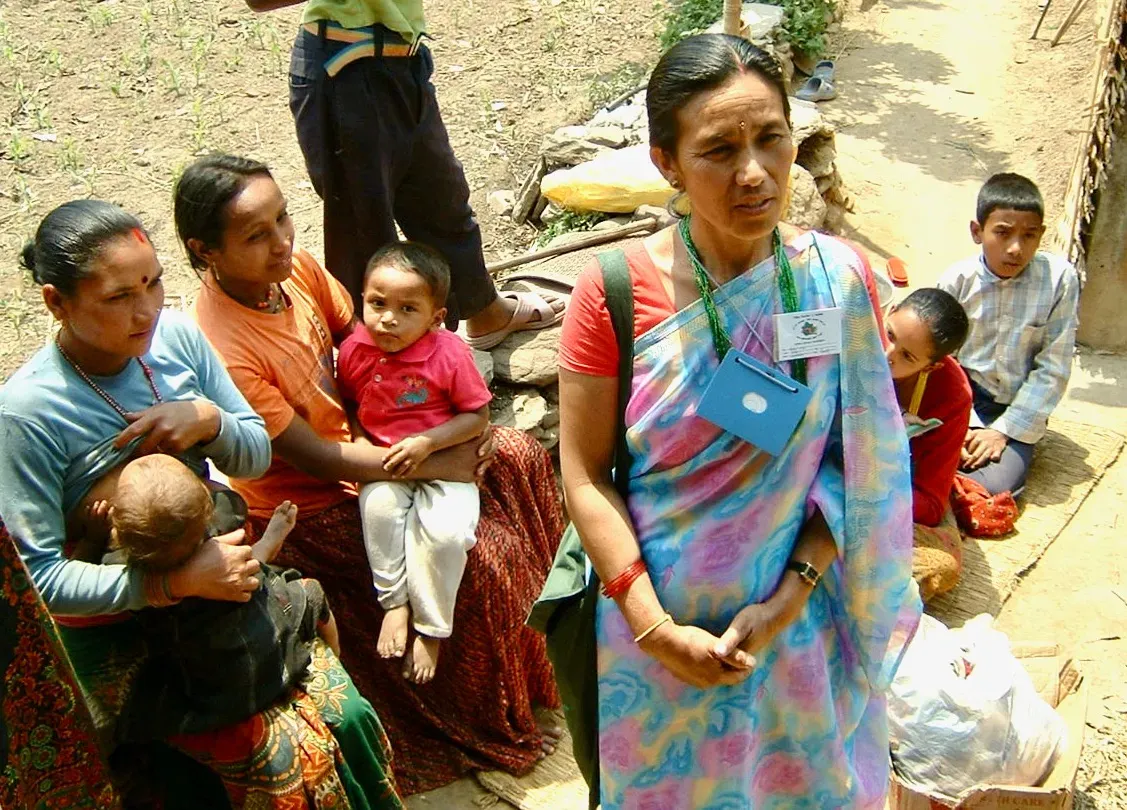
897	271
528	305
825	70
817	89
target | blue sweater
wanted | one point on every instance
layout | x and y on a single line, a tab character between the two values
56	440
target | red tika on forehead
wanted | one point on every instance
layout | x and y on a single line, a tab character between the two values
139	235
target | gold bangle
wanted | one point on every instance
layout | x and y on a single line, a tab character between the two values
652	627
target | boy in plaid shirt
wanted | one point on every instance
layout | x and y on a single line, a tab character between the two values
1022	305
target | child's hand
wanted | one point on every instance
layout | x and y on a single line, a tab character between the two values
407	454
98	513
983	446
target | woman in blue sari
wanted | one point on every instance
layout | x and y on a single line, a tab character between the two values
761	600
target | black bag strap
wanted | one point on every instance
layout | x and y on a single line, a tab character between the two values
619	292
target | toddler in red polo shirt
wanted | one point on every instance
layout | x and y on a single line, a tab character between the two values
413	387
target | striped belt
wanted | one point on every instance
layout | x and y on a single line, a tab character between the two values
363	43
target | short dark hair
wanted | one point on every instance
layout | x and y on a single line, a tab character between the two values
419	259
944	317
71	237
202	194
695	65
1009	191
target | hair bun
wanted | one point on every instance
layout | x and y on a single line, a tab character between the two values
27	259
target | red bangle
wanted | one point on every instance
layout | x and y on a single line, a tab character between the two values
617	586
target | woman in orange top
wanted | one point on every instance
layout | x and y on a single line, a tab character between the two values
275	316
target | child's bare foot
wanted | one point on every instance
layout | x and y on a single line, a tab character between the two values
422	660
280	525
550	735
393	632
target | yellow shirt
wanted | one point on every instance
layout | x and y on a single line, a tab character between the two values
402	16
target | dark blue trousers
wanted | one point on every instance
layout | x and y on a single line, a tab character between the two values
1009	472
378	154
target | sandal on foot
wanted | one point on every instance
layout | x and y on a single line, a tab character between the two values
535	281
528	304
817	89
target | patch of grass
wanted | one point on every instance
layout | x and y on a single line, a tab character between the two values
570	221
170	78
804	21
688	17
805	24
606	87
70	157
200	128
18	148
99	16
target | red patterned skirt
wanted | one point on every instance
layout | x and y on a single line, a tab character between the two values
478	712
49	752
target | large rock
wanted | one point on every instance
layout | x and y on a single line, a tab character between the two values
501	202
570	146
528	357
758	21
805	208
484	363
627	116
529	410
806	121
817	154
529	193
611	136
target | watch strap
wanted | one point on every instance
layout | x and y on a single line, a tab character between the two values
809	574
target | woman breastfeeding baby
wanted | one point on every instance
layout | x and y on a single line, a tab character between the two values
90	427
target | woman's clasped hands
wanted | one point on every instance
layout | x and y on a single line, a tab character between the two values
701	659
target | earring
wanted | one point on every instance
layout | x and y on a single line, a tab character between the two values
675	205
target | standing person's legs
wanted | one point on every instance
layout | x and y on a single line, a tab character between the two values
432	203
384	510
441	530
355	131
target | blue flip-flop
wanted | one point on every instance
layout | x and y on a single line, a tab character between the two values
824	70
817	88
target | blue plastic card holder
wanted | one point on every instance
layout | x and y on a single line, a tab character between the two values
754	401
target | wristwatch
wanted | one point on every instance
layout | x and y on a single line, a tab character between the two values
809	574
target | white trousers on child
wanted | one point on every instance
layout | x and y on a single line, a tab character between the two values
417	534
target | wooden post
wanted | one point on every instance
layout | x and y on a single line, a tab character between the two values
732	23
1073	13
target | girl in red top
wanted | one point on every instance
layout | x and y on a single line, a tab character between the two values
924	331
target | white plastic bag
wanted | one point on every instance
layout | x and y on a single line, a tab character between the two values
964	712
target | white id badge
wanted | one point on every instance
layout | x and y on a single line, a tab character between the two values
812	333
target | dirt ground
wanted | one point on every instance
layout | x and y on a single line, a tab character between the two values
934	97
112	99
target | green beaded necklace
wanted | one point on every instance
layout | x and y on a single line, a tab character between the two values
787	291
